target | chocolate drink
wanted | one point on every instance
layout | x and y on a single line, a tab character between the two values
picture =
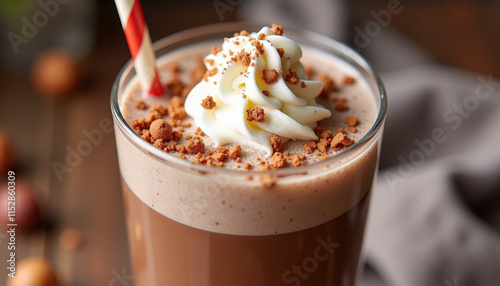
190	224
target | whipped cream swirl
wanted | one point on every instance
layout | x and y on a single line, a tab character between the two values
256	73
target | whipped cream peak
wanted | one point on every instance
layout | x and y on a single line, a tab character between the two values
259	88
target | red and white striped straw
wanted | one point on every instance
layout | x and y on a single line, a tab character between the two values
139	43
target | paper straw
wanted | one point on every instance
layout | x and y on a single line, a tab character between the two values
139	43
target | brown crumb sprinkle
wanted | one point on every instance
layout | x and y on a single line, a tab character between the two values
176	109
292	77
208	102
270	76
351	121
328	84
209	73
235	152
266	93
281	52
341	106
141	105
309	147
199	132
341	141
298	160
352	129
195	145
244	58
323	145
278	29
279	161
215	50
348	80
276	142
256	114
175	86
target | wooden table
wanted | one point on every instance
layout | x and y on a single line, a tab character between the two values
89	197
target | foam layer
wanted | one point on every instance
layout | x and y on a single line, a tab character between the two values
224	200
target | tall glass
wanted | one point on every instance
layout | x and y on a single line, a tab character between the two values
196	225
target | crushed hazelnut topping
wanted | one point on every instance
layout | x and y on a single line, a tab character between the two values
348	80
139	124
180	148
176	108
281	52
219	157
171	146
175	86
146	135
278	29
256	114
324	157
159	143
263	166
141	105
269	76
152	117
318	130
309	147
160	108
298	160
176	135
341	141
328	85
170	135
341	106
195	145
215	50
199	132
208	102
326	135
260	47
209	73
235	152
292	77
352	121
278	161
323	145
276	142
244	58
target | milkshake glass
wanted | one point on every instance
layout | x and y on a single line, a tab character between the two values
197	225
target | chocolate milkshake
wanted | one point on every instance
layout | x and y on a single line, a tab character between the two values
267	179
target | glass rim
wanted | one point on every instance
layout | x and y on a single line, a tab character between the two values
231	27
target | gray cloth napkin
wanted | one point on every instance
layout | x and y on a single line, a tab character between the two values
435	211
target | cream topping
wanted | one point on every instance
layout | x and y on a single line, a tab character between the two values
260	70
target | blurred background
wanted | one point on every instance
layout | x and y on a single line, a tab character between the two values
59	58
